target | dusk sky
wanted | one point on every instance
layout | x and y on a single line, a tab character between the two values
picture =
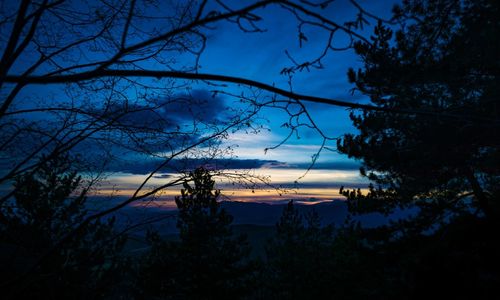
258	56
261	57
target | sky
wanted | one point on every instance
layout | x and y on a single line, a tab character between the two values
259	56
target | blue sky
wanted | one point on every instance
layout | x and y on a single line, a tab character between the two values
261	56
258	56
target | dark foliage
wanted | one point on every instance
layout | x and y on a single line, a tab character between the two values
298	258
209	261
444	61
442	156
44	211
308	261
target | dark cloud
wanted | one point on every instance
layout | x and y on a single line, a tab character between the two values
147	165
164	125
163	176
334	184
143	164
172	112
341	165
200	105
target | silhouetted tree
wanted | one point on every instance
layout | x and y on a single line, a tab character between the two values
209	261
444	59
47	206
300	263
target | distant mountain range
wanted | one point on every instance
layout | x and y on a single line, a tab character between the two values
252	213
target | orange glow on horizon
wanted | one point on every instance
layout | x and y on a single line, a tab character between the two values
307	196
125	185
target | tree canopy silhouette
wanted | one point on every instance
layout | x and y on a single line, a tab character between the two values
444	58
48	205
209	261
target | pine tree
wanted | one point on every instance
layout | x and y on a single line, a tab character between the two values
444	61
209	261
300	257
43	211
442	156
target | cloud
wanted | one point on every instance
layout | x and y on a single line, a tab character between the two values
147	165
163	176
200	105
167	124
347	165
172	112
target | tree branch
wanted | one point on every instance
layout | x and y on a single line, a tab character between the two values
90	75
